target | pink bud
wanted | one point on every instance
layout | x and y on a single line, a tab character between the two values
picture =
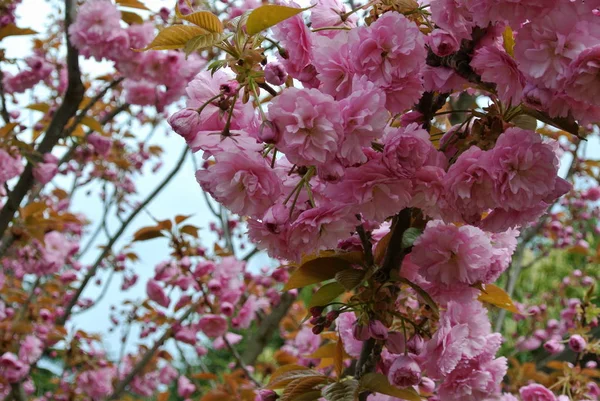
360	332
553	346
186	123
377	330
427	386
275	74
227	308
415	344
267	395
442	43
404	372
577	343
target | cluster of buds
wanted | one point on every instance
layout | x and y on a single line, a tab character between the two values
321	322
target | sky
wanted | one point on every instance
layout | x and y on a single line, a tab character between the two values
182	196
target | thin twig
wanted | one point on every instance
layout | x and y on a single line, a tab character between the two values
107	249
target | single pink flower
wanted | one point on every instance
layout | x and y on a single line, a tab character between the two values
213	325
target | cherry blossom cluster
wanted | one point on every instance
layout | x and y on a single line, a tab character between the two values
153	78
352	146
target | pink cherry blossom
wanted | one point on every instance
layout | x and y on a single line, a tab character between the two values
449	255
310	123
11	368
406	150
97	383
582	76
372	191
404	372
244	183
496	66
536	392
31	349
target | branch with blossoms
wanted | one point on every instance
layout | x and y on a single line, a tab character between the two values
387	156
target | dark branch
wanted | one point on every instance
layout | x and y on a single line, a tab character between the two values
68	108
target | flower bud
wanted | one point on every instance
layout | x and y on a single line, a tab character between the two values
442	43
316	311
317	329
377	330
577	343
267	395
275	74
396	342
275	218
360	332
186	123
553	346
268	132
415	344
427	386
404	372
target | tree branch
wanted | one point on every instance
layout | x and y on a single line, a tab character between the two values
266	329
92	271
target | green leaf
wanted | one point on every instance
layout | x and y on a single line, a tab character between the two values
203	41
341	391
326	294
174	37
317	270
378	383
269	15
496	296
409	236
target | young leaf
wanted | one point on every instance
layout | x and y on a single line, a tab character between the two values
300	386
341	391
174	37
495	295
92	124
203	41
316	270
378	383
269	15
203	19
132	4
338	358
131	18
326	294
509	41
325	351
146	233
350	278
284	379
13	30
409	236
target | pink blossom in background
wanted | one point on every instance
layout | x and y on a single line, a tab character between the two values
536	392
97	383
11	368
185	388
213	325
31	349
156	293
44	171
